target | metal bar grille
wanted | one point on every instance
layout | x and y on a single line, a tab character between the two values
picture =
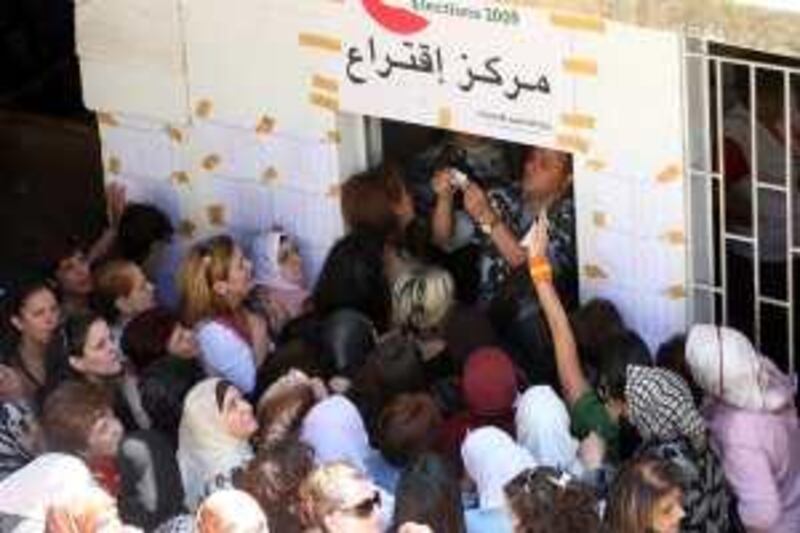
710	236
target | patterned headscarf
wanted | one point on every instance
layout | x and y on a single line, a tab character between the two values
661	406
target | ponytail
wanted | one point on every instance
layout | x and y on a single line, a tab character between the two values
208	262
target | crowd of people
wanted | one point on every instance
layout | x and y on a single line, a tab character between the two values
439	376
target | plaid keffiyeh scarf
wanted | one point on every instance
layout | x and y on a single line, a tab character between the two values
661	407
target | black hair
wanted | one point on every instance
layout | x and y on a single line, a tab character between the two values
141	226
12	301
671	355
163	387
76	331
616	355
347	336
353	277
428	493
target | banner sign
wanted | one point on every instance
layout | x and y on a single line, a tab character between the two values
455	65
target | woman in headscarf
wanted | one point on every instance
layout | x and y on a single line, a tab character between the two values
489	384
491	459
278	276
660	405
543	429
213	439
26	495
336	431
752	418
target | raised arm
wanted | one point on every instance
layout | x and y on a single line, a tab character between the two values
442	217
570	373
477	205
115	205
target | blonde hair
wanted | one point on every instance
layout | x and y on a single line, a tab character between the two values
323	491
230	511
207	262
422	298
82	512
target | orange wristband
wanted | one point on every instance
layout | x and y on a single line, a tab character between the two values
539	269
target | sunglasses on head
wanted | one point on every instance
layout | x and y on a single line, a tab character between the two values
365	508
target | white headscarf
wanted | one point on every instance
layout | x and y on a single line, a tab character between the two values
335	429
49	479
543	424
205	447
265	251
235	511
725	365
492	459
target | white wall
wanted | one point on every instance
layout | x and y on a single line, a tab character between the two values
227	115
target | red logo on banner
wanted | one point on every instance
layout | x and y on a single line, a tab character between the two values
395	19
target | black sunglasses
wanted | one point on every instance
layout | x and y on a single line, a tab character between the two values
365	508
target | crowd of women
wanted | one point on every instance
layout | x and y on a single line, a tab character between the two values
439	376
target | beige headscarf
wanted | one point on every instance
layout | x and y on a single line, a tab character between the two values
725	365
49	479
205	447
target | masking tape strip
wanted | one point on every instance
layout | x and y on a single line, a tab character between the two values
676	292
203	108
594	272
572	21
669	174
180	177
573	143
270	175
106	119
324	101
211	161
186	228
580	66
578	120
216	214
322	42
600	219
265	125
324	83
445	117
334	137
175	134
674	237
114	165
595	165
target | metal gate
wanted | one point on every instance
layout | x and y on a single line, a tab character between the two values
742	195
